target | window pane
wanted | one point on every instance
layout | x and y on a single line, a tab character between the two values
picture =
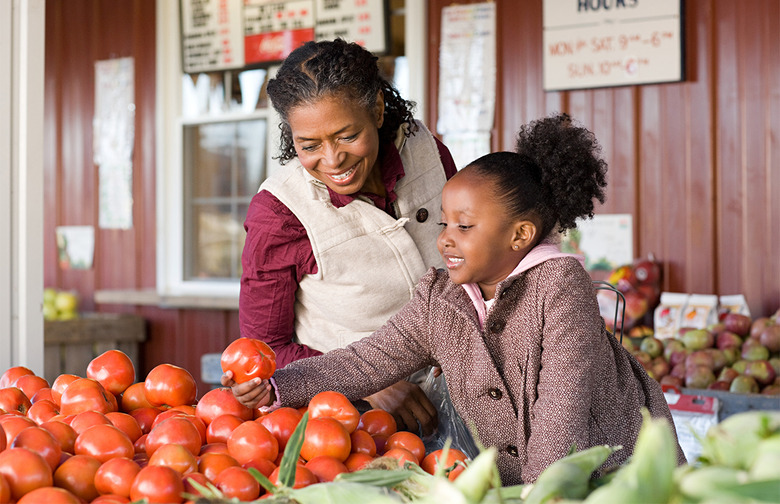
215	245
251	156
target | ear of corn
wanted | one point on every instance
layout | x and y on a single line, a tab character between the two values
569	477
478	476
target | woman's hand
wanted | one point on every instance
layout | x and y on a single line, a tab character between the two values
253	393
409	406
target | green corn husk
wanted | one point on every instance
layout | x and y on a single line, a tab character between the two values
648	477
478	476
734	441
569	477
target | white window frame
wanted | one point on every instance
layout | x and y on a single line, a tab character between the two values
170	183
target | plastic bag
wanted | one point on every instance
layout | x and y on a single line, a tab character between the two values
451	425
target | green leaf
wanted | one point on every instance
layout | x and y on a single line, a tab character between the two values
292	452
344	492
376	477
264	482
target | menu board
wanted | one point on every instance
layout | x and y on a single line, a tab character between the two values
224	34
599	43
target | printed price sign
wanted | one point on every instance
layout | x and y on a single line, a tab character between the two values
272	30
599	43
211	35
361	21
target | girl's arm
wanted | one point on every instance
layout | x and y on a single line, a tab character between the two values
277	253
572	333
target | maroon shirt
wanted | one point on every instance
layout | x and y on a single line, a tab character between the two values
277	254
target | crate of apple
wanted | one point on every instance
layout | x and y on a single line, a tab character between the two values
738	354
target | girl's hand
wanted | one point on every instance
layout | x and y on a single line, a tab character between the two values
409	406
253	393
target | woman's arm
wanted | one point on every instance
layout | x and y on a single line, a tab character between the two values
277	253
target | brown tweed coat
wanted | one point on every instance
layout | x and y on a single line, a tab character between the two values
542	376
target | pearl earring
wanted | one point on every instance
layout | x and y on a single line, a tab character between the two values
515	247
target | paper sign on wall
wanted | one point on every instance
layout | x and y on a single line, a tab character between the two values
598	43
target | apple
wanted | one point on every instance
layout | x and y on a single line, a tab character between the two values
772	390
49	294
653	346
643	358
629	345
684	329
678	370
727	339
719	360
775	363
636	305
762	371
744	385
731	354
640	331
672	345
758	326
719	385
660	367
737	323
727	374
678	357
700	358
66	301
49	311
647	271
770	338
697	339
673	381
699	377
753	350
740	366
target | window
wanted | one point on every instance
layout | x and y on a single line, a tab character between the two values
217	137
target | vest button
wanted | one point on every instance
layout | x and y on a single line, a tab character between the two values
512	450
495	394
422	215
496	326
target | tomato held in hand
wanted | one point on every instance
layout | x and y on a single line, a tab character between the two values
248	358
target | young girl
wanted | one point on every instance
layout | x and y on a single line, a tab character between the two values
513	323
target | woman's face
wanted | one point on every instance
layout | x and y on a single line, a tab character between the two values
476	237
337	141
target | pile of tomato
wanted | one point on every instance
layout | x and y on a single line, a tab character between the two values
105	438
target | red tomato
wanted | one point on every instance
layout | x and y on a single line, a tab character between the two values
133	398
214	448
176	457
281	423
326	468
408	441
115	476
251	440
303	477
211	464
145	417
377	421
402	455
357	461
85	394
171	385
126	423
140	445
237	482
43	411
3	440
5	489
24	470
220	428
59	385
326	436
266	467
44	393
189	487
248	358
87	419
221	401
12	374
49	495
63	433
113	369
177	430
158	484
41	442
166	414
104	442
110	499
13	399
434	460
335	405
30	384
362	442
13	425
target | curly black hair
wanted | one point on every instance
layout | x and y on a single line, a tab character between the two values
555	174
335	68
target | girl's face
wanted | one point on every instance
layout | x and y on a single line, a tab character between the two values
337	141
476	237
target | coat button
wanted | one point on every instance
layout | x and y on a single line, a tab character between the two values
496	326
422	215
512	450
495	393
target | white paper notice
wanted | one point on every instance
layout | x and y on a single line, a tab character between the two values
113	139
467	68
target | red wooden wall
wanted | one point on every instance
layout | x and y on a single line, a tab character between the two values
696	163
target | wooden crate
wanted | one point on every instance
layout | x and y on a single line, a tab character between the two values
69	345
